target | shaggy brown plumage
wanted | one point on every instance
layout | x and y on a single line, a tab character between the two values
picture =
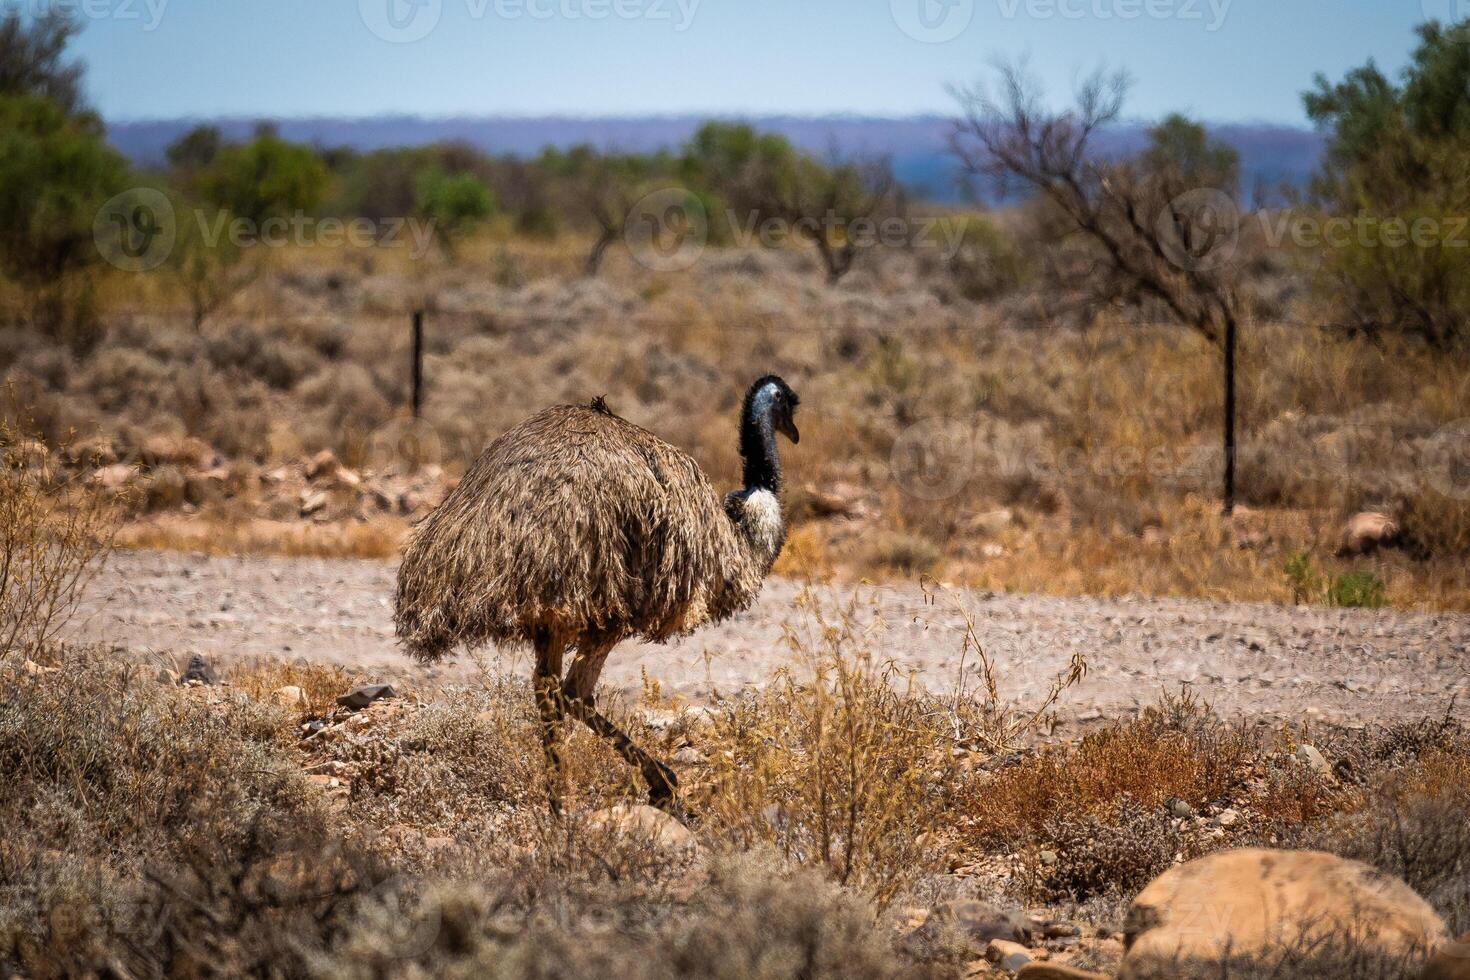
581	523
578	529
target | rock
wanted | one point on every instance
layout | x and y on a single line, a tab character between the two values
289	696
1309	756
1181	809
409	501
199	671
114	476
1256	903
348	479
1046	858
321	466
641	821
312	502
1007	955
973	922
1366	532
360	697
1228	818
690	756
1450	962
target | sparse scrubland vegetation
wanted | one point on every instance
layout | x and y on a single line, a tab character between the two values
1003	399
991	405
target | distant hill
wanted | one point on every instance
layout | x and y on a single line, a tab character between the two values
917	145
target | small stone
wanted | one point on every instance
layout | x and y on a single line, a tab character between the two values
312	503
323	464
1228	818
361	697
690	756
1047	858
975	922
1181	809
1007	955
199	672
1310	756
647	823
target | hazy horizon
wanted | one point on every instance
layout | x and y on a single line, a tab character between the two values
1227	61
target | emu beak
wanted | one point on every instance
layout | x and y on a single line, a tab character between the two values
787	428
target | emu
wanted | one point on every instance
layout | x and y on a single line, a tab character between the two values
577	529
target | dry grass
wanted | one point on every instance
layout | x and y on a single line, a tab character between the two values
1176	750
160	829
379	539
930	409
320	684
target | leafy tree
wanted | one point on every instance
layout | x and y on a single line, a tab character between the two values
455	203
265	178
32	60
195	150
56	172
761	176
1396	164
1180	145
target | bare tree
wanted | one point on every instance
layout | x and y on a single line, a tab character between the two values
1157	230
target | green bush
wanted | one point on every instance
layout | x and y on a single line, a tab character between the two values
265	178
1396	165
1357	590
56	172
454	203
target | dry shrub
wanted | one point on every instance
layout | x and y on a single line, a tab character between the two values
320	683
1177	749
1415	780
841	770
149	832
54	529
1113	857
750	920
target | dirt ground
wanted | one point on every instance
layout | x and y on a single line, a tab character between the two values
1341	666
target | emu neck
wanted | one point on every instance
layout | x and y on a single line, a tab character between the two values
758	448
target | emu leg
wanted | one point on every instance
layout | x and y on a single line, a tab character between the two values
547	684
581	704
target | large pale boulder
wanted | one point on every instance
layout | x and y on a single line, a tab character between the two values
1366	532
1452	962
1254	903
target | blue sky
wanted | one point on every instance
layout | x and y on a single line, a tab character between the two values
1223	60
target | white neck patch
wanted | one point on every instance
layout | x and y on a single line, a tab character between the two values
763	522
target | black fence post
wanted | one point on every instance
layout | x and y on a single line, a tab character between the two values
418	361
